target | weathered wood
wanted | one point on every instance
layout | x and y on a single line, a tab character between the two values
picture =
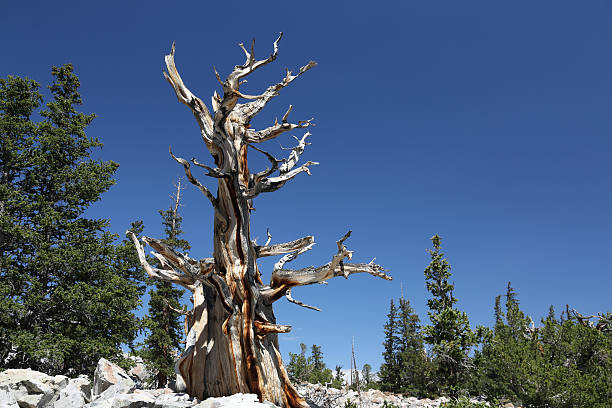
232	340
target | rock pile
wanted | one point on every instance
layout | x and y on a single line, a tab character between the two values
320	396
112	388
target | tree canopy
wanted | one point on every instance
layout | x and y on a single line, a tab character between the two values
67	289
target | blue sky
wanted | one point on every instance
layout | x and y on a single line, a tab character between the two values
485	122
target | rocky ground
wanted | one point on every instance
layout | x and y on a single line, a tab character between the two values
114	388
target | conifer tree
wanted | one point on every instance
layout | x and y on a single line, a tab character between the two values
449	332
389	374
338	380
299	367
163	341
411	358
67	290
366	372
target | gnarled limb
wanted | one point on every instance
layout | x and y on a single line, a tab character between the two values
184	95
258	136
249	110
232	83
167	256
263	328
284	248
295	154
265	173
214	172
269	184
282	278
193	180
604	322
299	303
168	275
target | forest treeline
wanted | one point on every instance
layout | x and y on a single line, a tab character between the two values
69	287
564	361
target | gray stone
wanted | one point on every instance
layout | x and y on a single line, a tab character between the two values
116	389
83	384
75	395
173	404
108	374
60	382
233	401
139	400
7	398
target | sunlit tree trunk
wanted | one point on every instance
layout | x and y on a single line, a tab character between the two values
232	345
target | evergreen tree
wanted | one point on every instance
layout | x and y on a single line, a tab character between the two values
562	364
499	315
163	341
389	374
411	358
449	332
66	290
299	368
318	372
366	372
338	380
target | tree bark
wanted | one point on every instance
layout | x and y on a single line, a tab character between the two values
232	344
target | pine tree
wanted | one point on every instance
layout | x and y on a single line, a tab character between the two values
338	380
389	374
499	314
318	372
366	372
67	291
411	358
163	341
449	332
299	368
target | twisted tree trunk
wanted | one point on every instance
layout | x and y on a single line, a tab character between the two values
232	344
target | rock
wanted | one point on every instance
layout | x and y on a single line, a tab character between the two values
30	388
140	373
7	398
234	401
116	389
76	394
108	374
60	381
137	400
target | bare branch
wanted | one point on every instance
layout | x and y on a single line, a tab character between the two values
169	275
282	278
193	180
184	95
168	257
292	255
249	110
299	303
269	237
295	154
264	328
212	172
265	173
253	136
284	248
270	184
604	322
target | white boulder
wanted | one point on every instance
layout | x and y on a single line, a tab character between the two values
108	374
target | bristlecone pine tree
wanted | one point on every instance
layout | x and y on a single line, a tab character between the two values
232	345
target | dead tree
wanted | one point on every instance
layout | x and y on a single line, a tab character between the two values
232	344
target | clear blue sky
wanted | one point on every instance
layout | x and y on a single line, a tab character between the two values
486	122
